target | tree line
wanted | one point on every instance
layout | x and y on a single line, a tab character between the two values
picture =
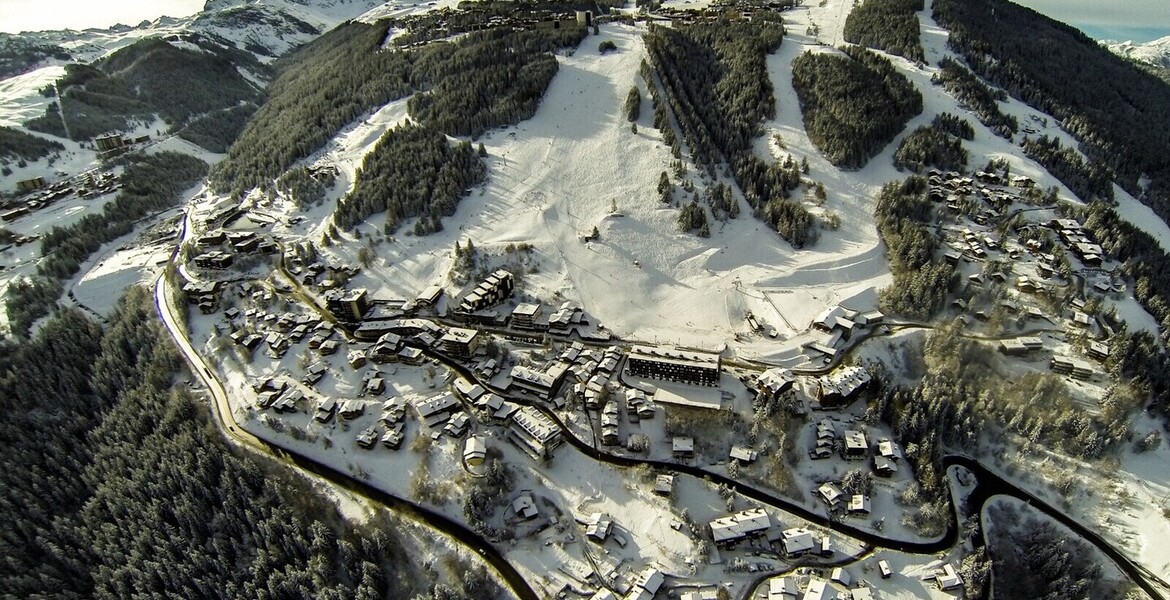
935	145
1115	109
716	84
117	485
1090	180
889	25
853	103
921	284
16	145
412	172
150	183
981	99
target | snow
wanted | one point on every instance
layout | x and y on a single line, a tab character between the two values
1155	52
20	96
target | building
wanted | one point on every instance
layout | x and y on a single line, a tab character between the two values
214	260
855	445
859	505
819	589
831	494
841	576
697	368
664	485
429	297
947	578
776	381
732	529
490	292
525	506
459	342
30	185
682	447
525	316
743	454
598	526
842	385
782	588
437	409
541	383
797	542
348	305
534	433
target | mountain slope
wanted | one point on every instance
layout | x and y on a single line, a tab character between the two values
1156	52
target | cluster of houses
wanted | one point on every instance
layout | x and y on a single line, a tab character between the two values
841	324
37	194
214	247
754	528
853	445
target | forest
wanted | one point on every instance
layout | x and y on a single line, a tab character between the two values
310	100
853	103
716	85
975	95
935	145
117	485
16	145
412	172
19	55
216	131
888	25
487	79
146	78
921	283
150	183
1089	180
1115	109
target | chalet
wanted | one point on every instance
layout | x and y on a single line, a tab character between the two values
841	576
351	409
598	526
697	368
647	583
393	437
329	347
410	356
541	383
782	588
375	386
776	381
325	409
1072	367
732	529
682	447
819	589
884	466
797	542
858	505
436	409
393	411
610	419
743	454
534	433
524	506
1026	285
1082	319
475	451
855	446
831	494
1098	350
664	485
356	359
459	342
314	373
368	437
457	425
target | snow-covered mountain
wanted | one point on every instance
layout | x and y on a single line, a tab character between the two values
1156	53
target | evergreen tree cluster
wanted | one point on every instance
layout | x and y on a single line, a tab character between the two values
150	183
1040	559
853	104
954	125
116	485
921	284
18	145
318	89
487	79
304	187
1089	180
633	104
1114	108
974	94
721	199
888	25
216	131
716	84
931	146
412	172
148	77
693	217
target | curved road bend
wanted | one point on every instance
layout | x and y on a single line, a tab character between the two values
518	584
989	484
